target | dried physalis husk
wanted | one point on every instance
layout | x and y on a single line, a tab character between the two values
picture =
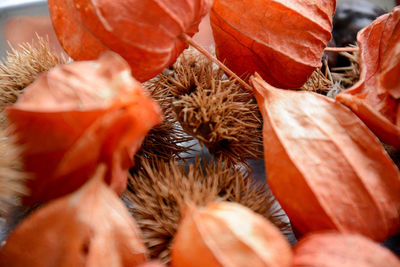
228	234
345	250
77	116
90	227
325	167
152	264
148	34
283	40
375	98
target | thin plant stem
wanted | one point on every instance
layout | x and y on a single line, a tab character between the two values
341	49
207	54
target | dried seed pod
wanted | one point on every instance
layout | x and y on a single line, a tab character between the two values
375	98
345	250
192	70
325	167
77	116
228	234
157	191
215	110
319	82
22	66
167	140
90	227
282	40
146	33
12	178
347	76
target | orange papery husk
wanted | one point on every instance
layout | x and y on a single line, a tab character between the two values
90	227
325	167
146	33
282	40
375	98
228	234
152	264
77	116
332	249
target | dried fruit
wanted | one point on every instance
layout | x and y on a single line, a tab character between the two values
325	167
345	250
146	33
159	189
90	227
228	234
77	116
281	40
375	98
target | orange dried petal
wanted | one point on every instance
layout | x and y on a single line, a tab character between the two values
375	98
90	227
283	41
228	234
77	116
145	33
325	167
345	250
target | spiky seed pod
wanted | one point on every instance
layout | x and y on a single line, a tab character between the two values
213	109
11	175
22	66
349	75
319	82
224	118
157	192
192	70
166	140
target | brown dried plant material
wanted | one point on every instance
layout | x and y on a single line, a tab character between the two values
167	140
22	66
375	98
319	82
77	116
214	109
345	250
228	234
224	118
12	178
191	70
347	76
325	167
281	40
146	33
157	191
90	227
